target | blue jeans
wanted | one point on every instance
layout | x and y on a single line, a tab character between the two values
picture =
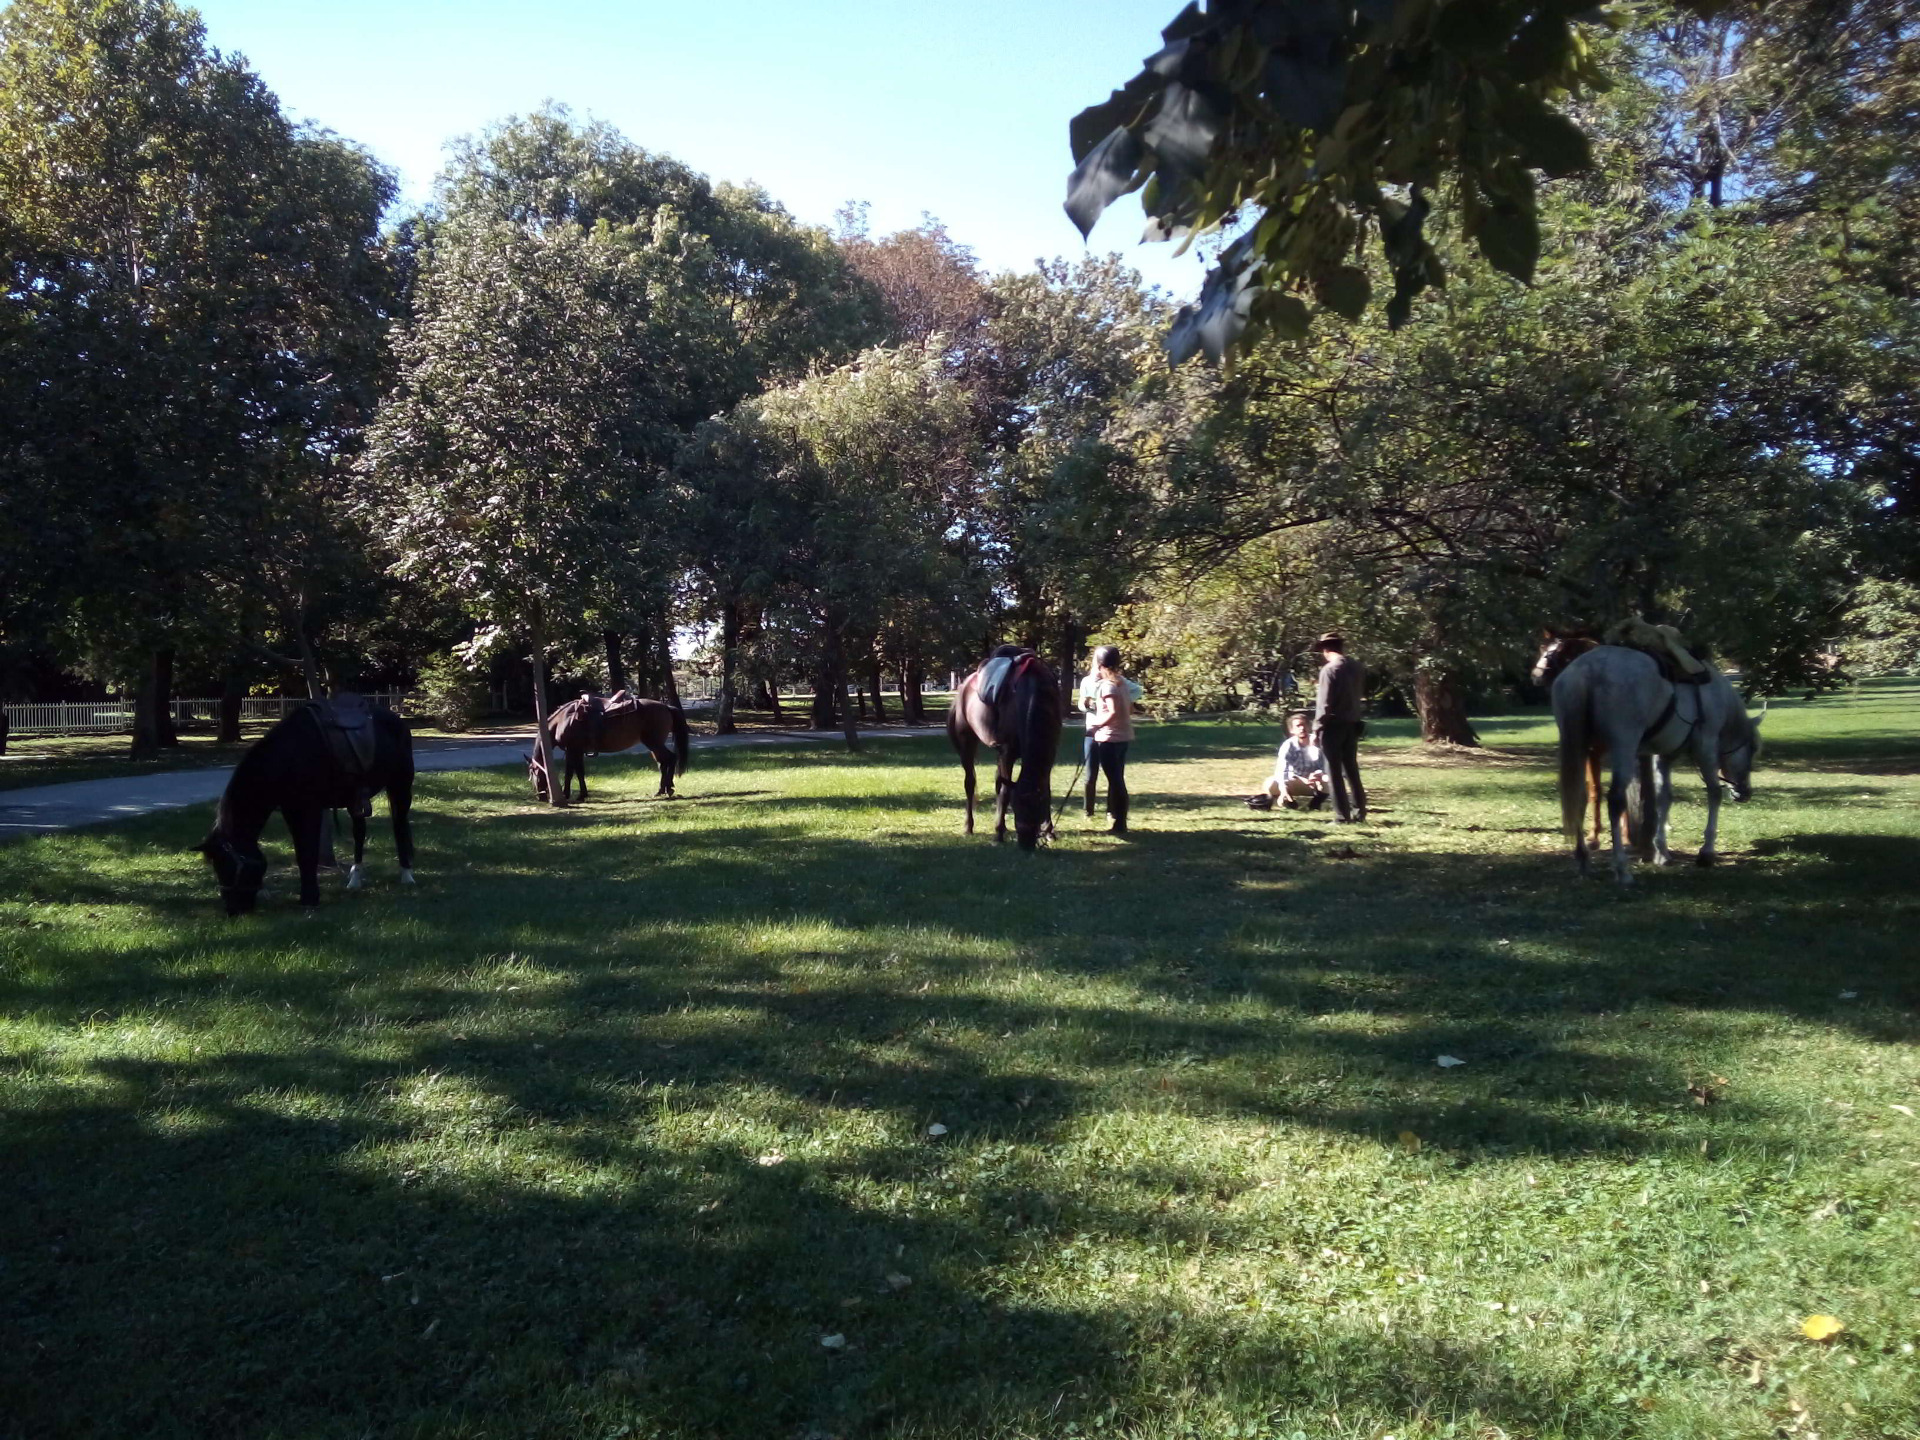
1109	758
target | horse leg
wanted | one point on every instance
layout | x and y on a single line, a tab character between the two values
359	850
1710	775
1662	809
307	826
1594	759
1002	791
577	765
1623	765
1648	843
663	757
966	747
400	804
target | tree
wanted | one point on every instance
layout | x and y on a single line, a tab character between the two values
857	467
508	462
1312	126
189	277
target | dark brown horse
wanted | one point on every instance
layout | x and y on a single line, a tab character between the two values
596	724
1021	719
1559	649
335	756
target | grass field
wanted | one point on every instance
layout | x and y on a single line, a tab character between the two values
783	1111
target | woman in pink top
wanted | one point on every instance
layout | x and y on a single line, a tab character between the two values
1110	727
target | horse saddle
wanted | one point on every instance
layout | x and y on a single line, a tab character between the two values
998	671
346	720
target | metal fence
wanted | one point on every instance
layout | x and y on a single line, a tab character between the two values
115	717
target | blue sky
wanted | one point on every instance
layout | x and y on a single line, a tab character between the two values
958	110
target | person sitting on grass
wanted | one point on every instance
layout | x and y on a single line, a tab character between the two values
1299	774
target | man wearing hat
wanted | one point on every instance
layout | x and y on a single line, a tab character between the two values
1339	709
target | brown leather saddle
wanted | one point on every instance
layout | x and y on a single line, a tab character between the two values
346	723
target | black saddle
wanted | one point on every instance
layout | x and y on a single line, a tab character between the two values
346	723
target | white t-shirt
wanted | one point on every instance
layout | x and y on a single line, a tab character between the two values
1298	760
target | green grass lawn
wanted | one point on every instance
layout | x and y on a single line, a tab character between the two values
783	1111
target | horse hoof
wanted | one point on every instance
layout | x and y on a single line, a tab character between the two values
353	878
1705	859
406	877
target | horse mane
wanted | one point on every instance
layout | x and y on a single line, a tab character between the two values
250	772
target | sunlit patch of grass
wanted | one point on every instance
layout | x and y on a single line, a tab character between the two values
617	1118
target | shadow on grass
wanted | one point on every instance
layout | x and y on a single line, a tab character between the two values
446	1188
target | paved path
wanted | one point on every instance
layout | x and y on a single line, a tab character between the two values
95	802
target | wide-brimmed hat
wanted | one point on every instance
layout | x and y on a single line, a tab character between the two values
1332	639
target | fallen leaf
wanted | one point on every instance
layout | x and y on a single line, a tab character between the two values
771	1158
1821	1327
1409	1141
1849	994
1447	1062
834	1342
936	1129
1906	1110
897	1281
1703	1094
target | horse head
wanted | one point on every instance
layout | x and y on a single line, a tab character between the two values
535	774
1558	649
239	866
1737	760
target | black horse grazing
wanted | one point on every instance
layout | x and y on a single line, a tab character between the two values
1012	702
593	724
336	755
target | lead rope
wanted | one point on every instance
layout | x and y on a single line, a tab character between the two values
1072	785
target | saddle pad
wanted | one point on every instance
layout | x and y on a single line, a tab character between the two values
994	674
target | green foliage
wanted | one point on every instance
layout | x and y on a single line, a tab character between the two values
194	287
451	692
1322	123
1312	128
1880	633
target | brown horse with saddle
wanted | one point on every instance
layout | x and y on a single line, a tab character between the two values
1012	703
601	724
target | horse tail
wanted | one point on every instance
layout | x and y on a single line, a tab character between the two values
1573	710
681	745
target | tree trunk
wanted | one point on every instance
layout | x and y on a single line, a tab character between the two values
542	756
878	682
669	687
912	703
616	670
146	718
773	699
645	682
1073	640
231	694
164	728
825	710
309	661
729	644
1443	710
849	727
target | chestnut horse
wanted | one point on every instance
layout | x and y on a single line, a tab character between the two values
595	724
1020	718
1559	649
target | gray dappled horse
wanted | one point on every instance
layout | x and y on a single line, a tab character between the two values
1617	700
